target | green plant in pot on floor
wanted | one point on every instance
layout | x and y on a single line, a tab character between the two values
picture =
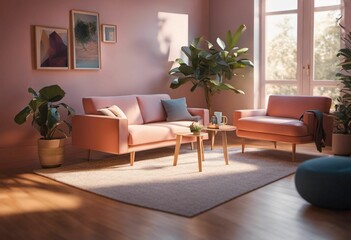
210	66
342	122
46	118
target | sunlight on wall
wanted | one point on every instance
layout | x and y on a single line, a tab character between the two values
173	34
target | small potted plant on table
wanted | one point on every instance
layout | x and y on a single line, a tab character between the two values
195	128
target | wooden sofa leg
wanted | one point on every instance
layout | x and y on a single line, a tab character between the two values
293	152
242	145
132	158
275	144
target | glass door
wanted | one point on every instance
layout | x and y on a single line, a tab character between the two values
300	39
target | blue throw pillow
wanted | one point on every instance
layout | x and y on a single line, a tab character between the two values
176	110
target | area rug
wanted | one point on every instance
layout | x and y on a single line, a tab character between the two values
153	182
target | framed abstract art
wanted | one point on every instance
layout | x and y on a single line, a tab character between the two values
85	40
51	48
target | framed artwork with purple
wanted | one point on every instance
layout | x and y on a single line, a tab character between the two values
52	48
85	40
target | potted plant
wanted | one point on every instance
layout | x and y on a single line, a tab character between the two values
208	66
341	144
195	128
46	118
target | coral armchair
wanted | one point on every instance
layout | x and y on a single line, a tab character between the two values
280	122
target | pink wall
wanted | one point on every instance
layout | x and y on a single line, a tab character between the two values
134	64
228	15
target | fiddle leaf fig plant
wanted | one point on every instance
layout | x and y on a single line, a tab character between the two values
44	108
343	105
208	66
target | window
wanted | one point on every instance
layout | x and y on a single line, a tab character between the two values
300	39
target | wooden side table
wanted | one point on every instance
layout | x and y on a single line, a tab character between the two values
199	146
223	129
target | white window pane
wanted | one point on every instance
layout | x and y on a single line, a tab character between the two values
326	44
275	89
332	92
283	89
281	47
324	3
280	5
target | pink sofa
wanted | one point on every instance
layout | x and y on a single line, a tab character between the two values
280	121
144	128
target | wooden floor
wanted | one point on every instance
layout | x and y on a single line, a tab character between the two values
34	207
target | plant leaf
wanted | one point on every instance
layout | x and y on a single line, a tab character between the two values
236	36
179	82
246	62
53	93
70	110
53	117
21	117
34	93
221	43
242	50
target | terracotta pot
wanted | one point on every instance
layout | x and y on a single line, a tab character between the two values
51	152
341	144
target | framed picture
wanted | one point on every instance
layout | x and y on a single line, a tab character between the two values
109	33
85	40
51	48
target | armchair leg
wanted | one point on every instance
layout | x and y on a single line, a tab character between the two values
132	158
242	145
293	152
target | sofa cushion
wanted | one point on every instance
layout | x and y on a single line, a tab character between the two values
156	132
176	110
128	104
273	125
113	111
117	111
295	106
151	107
107	112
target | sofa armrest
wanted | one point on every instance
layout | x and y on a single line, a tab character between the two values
247	113
310	121
202	112
328	125
100	133
328	119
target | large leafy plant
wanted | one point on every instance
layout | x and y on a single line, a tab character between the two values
343	106
44	109
208	66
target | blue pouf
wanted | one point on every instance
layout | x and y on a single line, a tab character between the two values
325	182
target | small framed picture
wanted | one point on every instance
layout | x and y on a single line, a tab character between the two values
86	40
51	48
109	33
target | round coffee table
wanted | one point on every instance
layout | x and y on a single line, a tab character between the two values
199	146
223	129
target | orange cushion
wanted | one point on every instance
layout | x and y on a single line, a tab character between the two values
273	125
